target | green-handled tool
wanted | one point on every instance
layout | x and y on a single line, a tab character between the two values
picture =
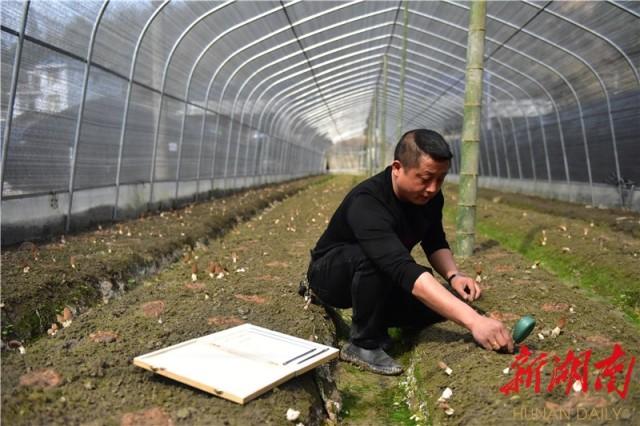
523	328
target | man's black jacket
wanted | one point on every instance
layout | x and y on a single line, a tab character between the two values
386	228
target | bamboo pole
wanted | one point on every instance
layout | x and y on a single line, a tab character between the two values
466	217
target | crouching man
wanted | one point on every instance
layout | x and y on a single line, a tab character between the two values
363	261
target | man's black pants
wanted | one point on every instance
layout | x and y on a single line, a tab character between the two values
345	278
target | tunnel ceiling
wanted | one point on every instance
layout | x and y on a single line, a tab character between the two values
318	64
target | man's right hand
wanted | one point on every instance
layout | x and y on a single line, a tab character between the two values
492	334
489	333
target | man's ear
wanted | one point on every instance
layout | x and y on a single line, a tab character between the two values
396	166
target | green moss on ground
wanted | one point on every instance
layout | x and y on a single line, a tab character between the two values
589	251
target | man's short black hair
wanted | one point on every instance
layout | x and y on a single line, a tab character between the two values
418	142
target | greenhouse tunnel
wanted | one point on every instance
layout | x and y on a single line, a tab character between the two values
168	166
113	108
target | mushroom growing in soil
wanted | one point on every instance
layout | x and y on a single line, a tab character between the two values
194	271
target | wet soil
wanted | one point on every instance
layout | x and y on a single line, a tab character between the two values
262	260
40	280
83	374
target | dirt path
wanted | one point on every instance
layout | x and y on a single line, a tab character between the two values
95	383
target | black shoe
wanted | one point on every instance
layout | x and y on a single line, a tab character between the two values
386	343
375	360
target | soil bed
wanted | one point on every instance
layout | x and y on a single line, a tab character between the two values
84	375
40	280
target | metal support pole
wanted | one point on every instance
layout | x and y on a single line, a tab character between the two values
12	96
383	122
186	98
367	147
466	217
373	131
125	114
83	98
489	168
504	147
403	68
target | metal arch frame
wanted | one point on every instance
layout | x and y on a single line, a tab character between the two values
292	104
83	98
347	101
362	76
312	115
131	82
295	65
531	78
332	76
219	68
595	74
497	87
283	29
228	81
271	99
619	5
260	125
12	94
335	75
206	99
186	98
313	110
284	79
633	68
335	59
125	116
165	70
382	11
317	116
537	61
356	98
336	85
335	25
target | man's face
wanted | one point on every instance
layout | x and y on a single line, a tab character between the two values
419	184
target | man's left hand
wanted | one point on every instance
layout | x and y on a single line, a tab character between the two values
466	287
